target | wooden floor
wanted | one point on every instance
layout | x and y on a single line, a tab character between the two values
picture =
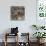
13	44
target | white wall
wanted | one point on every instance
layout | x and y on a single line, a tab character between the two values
30	15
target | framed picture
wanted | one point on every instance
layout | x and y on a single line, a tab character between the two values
17	13
41	8
41	12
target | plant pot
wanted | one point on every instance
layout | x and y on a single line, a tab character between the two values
40	41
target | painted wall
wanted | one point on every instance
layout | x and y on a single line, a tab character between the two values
24	26
30	14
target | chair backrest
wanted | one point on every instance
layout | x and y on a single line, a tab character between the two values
14	30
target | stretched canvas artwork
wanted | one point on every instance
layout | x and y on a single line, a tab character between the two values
17	13
41	12
41	8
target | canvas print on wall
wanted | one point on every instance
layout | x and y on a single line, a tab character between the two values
41	8
17	13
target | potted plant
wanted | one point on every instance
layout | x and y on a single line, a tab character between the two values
39	36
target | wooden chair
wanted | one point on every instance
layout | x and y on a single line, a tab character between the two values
27	37
7	34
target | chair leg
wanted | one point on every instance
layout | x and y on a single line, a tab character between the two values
5	40
5	43
17	39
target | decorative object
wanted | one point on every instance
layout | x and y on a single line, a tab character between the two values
39	35
14	30
17	13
